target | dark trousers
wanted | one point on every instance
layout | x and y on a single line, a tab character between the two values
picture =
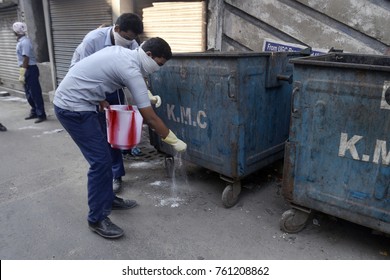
87	133
33	91
118	169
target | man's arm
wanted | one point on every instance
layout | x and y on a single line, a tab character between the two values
160	128
154	121
26	60
22	70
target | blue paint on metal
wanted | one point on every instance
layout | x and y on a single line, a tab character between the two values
359	195
232	109
339	160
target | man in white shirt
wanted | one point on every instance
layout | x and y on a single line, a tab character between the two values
83	89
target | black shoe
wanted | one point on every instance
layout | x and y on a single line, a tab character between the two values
31	117
2	127
123	204
39	120
106	228
117	185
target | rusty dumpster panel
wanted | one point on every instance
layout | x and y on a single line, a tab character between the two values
338	159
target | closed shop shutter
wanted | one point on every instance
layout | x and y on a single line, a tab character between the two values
71	20
9	72
181	24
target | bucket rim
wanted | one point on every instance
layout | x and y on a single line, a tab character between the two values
121	108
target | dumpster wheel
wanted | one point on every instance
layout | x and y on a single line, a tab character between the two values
230	194
293	220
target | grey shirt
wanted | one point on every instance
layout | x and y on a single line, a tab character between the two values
94	41
107	70
24	47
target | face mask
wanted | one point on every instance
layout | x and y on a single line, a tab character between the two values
120	41
148	65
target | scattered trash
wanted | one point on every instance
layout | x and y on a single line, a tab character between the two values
30	127
384	253
316	222
135	151
13	98
53	131
269	211
157	183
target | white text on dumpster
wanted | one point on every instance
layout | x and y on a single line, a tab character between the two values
380	155
186	116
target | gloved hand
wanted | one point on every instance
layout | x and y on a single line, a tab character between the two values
155	99
22	72
177	144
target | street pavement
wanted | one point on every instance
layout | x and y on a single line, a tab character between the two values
43	207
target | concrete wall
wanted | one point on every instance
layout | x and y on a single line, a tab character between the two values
35	20
32	14
121	6
359	26
17	89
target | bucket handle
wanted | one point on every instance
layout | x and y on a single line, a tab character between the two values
124	97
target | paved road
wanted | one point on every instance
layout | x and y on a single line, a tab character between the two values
43	207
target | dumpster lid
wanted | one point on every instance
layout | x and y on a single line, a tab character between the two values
347	60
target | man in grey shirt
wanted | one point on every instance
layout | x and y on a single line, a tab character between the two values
29	73
75	102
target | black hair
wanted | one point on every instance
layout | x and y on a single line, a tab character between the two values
130	21
158	47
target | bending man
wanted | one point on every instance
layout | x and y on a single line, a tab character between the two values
75	102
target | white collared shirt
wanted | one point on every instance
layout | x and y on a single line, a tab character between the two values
107	70
94	41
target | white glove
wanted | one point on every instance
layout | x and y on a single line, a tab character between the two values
22	72
176	143
155	99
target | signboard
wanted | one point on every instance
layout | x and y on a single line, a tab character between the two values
279	46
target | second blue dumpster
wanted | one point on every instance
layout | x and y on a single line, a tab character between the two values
337	158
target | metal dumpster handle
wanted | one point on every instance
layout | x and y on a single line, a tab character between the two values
232	85
294	92
288	78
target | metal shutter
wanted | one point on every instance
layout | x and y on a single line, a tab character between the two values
71	20
9	71
181	24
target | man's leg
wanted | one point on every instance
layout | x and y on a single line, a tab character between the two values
30	100
85	130
35	90
118	169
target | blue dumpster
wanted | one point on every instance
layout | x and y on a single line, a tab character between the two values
337	157
232	110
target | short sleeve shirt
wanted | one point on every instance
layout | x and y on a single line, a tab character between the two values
107	70
24	48
94	41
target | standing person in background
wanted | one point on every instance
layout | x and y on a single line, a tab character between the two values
76	99
124	33
29	73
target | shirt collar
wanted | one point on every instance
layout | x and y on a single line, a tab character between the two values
107	42
21	38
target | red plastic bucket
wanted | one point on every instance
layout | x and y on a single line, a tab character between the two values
124	126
